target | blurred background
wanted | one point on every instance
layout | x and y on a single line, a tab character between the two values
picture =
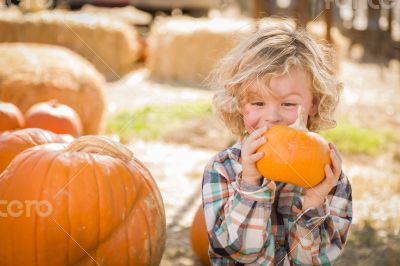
149	60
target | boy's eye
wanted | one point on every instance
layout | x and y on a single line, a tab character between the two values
289	104
257	103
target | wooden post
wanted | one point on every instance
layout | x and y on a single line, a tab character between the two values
268	7
328	22
390	18
257	9
301	11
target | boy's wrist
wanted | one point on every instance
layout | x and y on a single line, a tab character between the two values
256	181
312	202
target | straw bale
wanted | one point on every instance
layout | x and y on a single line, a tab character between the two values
184	50
128	14
111	45
31	73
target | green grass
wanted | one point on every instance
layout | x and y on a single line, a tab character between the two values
151	122
353	139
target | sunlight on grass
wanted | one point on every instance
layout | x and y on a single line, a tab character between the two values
152	122
353	139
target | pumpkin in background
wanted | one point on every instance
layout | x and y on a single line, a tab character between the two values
198	235
294	155
53	116
10	117
99	206
14	142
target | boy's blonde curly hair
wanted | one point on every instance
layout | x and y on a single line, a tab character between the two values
272	52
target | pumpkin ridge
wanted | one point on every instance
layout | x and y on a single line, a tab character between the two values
148	224
155	194
36	222
24	140
97	243
105	239
127	241
117	227
94	168
3	179
126	204
3	173
31	139
152	183
149	182
297	136
139	195
88	251
100	196
148	246
313	159
68	209
149	186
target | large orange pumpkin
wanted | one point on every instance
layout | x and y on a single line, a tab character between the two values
96	204
14	142
53	116
10	117
198	235
294	155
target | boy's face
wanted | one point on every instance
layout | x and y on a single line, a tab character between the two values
276	103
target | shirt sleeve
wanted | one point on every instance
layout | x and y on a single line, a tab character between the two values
237	215
317	235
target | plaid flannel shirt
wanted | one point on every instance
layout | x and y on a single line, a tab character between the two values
265	225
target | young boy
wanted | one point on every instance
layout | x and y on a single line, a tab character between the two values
253	220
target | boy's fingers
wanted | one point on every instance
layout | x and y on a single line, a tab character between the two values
258	132
336	162
330	176
255	144
328	173
333	147
256	156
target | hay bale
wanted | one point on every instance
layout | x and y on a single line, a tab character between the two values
111	45
33	5
184	50
128	14
31	73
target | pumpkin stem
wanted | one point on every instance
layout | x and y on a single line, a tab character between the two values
299	123
53	103
101	145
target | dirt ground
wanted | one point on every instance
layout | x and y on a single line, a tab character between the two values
370	98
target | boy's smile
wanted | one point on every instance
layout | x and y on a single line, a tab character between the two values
276	103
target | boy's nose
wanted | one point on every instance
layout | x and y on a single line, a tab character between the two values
272	117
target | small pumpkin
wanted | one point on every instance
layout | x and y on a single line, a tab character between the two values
99	205
294	155
10	117
53	116
14	142
199	237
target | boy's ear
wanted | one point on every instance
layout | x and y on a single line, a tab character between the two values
314	107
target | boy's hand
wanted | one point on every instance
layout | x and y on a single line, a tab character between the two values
315	196
249	156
